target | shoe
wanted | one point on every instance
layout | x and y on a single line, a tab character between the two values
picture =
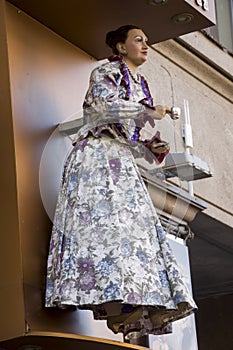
116	322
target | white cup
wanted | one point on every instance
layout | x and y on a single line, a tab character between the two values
175	112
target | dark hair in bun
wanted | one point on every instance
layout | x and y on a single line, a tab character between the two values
118	36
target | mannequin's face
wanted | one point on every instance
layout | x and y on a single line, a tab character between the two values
135	49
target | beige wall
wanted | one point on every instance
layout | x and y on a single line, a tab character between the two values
49	77
11	300
176	74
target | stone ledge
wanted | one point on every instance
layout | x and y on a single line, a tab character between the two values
205	72
173	200
210	51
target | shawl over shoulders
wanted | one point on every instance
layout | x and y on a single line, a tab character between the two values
105	101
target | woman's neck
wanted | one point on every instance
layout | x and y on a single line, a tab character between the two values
130	65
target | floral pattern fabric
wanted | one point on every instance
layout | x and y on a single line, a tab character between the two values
108	250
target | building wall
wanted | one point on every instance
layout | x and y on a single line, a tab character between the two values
176	74
11	300
48	78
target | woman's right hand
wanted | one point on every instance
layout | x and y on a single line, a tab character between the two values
160	112
149	115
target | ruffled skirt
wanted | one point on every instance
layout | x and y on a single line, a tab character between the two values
108	250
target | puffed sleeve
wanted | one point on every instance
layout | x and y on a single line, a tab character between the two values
105	104
105	98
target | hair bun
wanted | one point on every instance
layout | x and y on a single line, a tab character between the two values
110	38
118	36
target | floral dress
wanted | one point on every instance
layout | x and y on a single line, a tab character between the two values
108	250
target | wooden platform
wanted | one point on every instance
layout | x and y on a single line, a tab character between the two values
63	341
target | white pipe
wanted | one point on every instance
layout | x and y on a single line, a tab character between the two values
188	138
